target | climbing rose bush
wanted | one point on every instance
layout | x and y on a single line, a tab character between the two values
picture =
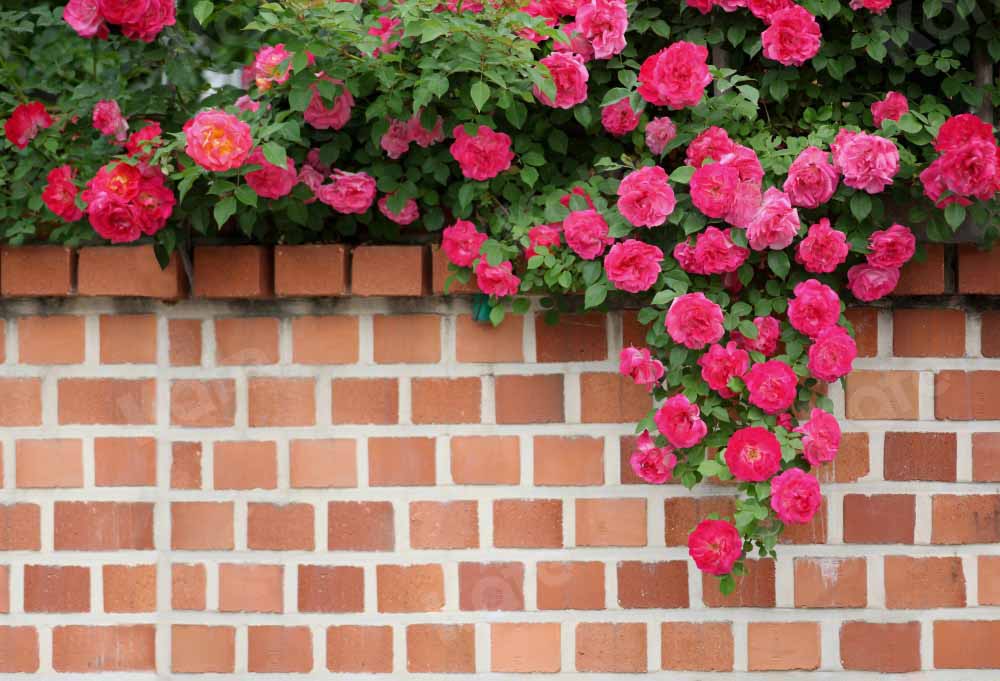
737	171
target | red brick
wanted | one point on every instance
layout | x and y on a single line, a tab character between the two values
331	588
529	399
390	271
128	339
105	401
121	648
883	395
989	580
922	583
612	398
245	465
20	527
444	524
365	400
125	461
446	400
880	647
570	586
246	340
879	518
440	273
653	585
359	649
52	588
525	648
273	527
851	463
20	402
401	461
360	526
201	525
49	463
198	649
781	646
610	522
203	404
323	463
697	646
441	648
831	582
37	271
59	339
187	587
103	526
527	523
920	456
407	339
129	588
233	272
250	588
185	465
986	457
865	323
966	644
684	513
928	333
965	519
282	402
483	342
491	586
574	338
310	270
410	588
569	460
606	647
275	649
977	270
965	395
131	271
184	338
926	277
813	532
4	589
485	460
755	589
18	650
325	340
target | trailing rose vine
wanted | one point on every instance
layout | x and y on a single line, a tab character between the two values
732	168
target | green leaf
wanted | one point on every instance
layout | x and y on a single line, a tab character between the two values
224	210
595	295
275	153
299	99
861	206
203	10
954	215
496	315
480	93
748	328
682	174
246	195
778	262
529	176
614	95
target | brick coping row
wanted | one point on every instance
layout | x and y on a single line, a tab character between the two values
338	270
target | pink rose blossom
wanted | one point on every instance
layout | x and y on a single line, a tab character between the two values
795	496
158	15
335	117
720	364
971	169
868	162
577	44
891	248
711	143
496	280
713	187
396	140
461	243
408	214
934	185
753	454
639	365
603	23
25	122
694	321
154	201
775	224
746	202
869	283
564	201
85	18
820	437
891	108
633	265
676	76
793	38
586	233
831	354
570	78
217	141
823	249
812	179
814	308
349	193
765	9
422	136
387	30
123	11
244	103
714	253
311	178
745	160
715	546
659	133
271	181
272	65
143	142
116	221
703	6
680	422
873	6
961	129
766	342
108	120
60	192
645	197
651	463
549	236
484	156
619	118
772	386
